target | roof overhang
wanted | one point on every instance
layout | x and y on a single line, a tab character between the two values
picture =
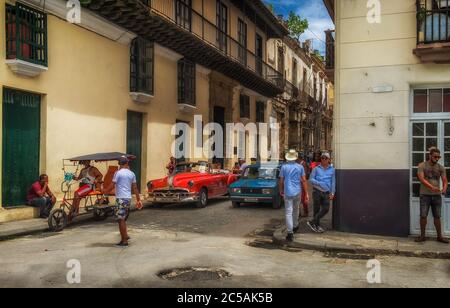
329	4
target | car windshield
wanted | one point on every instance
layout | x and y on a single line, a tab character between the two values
268	173
200	168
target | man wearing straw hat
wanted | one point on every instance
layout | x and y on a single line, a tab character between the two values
292	181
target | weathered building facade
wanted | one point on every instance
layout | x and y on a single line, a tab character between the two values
305	107
120	80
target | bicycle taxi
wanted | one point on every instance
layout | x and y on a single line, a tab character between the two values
95	203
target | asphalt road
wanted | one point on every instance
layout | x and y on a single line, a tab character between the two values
217	237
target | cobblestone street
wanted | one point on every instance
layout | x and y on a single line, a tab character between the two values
218	237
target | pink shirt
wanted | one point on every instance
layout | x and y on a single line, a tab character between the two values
33	191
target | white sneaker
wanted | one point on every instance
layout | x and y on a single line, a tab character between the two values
312	226
320	229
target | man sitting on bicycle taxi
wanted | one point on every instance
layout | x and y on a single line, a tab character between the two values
90	179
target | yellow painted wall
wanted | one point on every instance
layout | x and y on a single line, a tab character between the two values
86	98
370	55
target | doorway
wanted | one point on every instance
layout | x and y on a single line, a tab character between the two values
134	142
21	145
219	118
427	134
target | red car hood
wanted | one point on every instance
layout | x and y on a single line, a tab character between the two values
180	180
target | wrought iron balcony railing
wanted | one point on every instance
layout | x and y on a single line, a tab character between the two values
291	90
433	21
185	17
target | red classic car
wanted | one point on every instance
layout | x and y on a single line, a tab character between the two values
191	183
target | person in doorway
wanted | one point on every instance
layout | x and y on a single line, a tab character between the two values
292	181
237	169
125	184
430	175
323	180
305	202
90	178
316	161
171	165
40	196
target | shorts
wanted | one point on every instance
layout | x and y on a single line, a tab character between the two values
122	209
84	190
433	202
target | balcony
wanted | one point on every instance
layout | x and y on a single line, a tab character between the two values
433	31
26	40
177	26
291	90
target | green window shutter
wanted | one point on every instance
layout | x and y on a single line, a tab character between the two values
142	56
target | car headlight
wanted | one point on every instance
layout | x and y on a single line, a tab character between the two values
236	190
267	191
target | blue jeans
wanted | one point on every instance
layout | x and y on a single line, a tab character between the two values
292	208
44	204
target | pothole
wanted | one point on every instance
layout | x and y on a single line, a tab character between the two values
194	274
349	256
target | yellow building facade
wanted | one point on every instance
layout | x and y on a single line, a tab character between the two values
85	100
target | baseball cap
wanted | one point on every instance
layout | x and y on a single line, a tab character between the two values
123	160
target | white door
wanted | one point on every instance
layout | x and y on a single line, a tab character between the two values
426	134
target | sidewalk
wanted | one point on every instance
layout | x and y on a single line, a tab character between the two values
14	229
338	242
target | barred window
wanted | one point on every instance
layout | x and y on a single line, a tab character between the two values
186	82
26	34
183	13
245	106
260	112
142	55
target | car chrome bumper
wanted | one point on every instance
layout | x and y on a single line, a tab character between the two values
173	197
250	199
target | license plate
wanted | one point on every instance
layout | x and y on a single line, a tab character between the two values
251	200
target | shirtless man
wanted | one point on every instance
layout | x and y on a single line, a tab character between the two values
90	178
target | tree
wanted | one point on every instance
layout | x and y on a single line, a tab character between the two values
297	25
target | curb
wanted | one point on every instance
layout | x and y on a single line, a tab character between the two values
21	232
278	239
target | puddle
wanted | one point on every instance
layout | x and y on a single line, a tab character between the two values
194	274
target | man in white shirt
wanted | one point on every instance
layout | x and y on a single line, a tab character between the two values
125	183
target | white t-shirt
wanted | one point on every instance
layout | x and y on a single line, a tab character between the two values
124	179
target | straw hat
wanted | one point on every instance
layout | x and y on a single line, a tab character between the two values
292	155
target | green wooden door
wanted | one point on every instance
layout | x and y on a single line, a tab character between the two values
134	142
21	140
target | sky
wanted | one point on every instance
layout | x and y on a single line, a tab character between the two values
314	11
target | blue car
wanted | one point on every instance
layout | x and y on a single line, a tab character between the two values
258	184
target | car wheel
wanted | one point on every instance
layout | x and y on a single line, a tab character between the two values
203	199
278	203
236	204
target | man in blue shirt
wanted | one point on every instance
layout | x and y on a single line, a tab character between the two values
292	180
323	180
